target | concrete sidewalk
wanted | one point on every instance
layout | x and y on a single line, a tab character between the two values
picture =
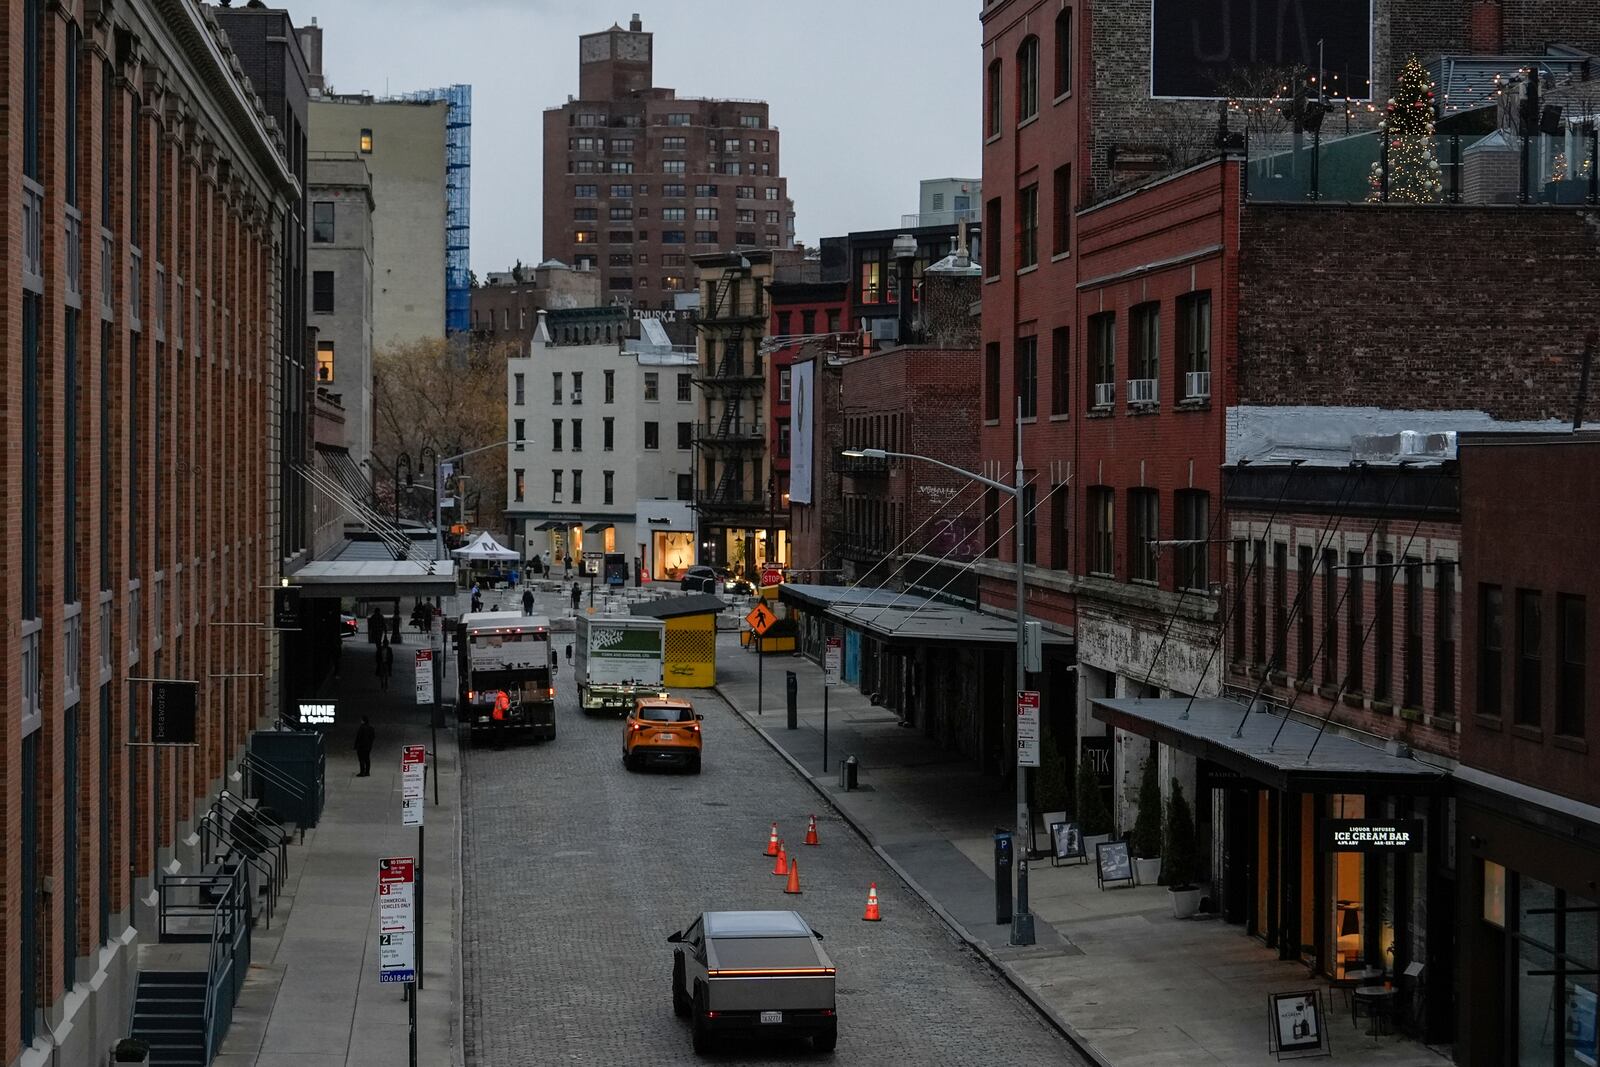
1133	986
312	997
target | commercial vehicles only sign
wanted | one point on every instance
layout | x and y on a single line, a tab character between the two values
397	930
413	783
1028	728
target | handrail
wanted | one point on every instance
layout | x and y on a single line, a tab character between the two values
256	765
273	873
238	808
227	960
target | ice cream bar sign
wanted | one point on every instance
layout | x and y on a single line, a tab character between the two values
1371	835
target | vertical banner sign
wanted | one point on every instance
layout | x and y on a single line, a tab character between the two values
425	676
413	775
172	712
1028	728
832	660
397	922
286	608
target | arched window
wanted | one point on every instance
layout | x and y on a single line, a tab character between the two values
1064	51
1028	79
995	99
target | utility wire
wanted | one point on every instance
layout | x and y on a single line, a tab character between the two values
1238	599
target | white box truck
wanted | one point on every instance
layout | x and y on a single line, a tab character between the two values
618	658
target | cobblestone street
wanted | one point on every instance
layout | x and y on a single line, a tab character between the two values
576	870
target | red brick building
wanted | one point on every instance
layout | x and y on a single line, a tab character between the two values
1528	787
141	351
638	179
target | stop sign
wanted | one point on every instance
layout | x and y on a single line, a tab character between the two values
771	576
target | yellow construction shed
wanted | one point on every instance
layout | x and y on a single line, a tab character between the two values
690	660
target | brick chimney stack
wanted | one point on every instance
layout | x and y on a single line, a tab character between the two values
1484	29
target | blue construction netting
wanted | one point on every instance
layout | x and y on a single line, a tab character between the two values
458	202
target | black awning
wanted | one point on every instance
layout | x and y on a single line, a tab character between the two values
1282	752
599	526
899	617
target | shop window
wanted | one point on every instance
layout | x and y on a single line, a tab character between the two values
1355	637
1302	603
1237	613
1028	79
1383	608
1025	375
1491	649
1571	635
1102	520
1530	624
1444	637
1258	606
1058	527
1411	695
1330	616
991	381
1144	517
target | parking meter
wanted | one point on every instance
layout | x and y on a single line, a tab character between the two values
1002	877
792	691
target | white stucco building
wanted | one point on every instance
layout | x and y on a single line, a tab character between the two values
602	427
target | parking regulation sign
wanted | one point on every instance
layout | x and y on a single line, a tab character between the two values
413	778
397	956
425	676
832	659
1028	728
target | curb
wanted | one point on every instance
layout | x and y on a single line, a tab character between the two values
458	1046
1079	1043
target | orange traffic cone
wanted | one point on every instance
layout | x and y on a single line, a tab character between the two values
872	915
772	842
811	832
781	865
794	878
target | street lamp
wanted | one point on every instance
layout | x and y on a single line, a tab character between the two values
1022	918
404	459
428	450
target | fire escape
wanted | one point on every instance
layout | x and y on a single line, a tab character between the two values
730	374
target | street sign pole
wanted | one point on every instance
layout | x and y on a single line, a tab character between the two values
412	1011
761	676
398	935
832	663
413	779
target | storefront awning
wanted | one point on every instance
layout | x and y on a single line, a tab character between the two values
377	578
547	526
1269	748
906	617
599	527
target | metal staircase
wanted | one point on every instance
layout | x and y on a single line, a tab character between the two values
169	1014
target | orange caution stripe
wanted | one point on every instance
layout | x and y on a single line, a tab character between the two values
773	972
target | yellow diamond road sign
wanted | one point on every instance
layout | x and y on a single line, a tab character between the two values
760	619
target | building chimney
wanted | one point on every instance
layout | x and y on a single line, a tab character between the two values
1485	35
634	24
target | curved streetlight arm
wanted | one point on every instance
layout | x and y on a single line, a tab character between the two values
879	453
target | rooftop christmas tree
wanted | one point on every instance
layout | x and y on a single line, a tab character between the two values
1407	129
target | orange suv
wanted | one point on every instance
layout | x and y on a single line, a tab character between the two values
662	731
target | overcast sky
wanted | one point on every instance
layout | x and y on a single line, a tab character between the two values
871	95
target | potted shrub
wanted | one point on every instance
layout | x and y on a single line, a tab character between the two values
1147	826
1094	818
130	1050
1182	855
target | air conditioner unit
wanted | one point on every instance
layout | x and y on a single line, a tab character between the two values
577	396
1197	384
885	329
1104	394
1141	390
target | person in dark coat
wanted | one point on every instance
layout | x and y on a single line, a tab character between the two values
527	601
375	625
385	665
537	565
364	738
577	595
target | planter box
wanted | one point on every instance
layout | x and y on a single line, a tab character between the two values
1185	902
1147	871
1090	841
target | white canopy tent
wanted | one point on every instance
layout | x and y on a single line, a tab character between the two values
485	547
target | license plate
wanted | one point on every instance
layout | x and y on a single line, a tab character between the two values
772	1016
663	737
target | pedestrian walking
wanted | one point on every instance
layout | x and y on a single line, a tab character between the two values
547	569
385	665
577	595
375	627
566	562
527	601
365	735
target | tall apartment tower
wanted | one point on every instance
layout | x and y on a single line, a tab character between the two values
637	180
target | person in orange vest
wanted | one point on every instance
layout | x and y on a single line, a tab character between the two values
502	707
